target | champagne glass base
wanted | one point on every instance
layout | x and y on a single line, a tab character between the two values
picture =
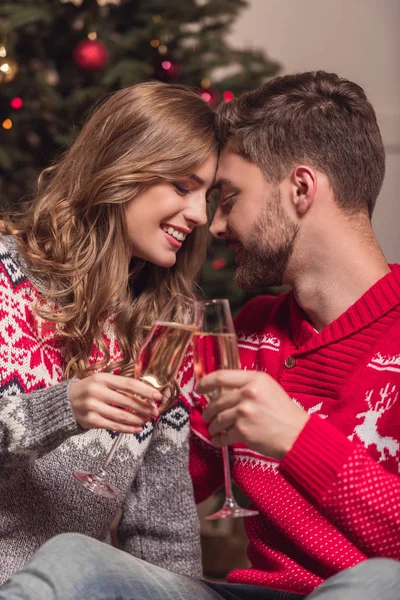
232	510
95	484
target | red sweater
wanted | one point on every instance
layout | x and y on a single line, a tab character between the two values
335	498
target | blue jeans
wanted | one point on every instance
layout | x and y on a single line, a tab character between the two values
74	567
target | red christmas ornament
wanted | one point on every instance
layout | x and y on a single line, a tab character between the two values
90	55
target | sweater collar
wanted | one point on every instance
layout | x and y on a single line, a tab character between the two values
382	297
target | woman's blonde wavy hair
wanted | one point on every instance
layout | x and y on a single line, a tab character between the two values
75	231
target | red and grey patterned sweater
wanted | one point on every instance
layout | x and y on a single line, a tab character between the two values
41	443
335	498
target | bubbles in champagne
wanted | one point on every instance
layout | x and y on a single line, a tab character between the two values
214	351
161	355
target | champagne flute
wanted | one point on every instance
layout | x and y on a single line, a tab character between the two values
215	347
156	364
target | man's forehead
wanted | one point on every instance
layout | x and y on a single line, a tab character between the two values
232	167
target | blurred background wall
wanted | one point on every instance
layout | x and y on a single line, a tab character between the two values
358	39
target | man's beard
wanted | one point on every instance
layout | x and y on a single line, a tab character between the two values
267	253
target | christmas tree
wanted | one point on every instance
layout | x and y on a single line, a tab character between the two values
58	57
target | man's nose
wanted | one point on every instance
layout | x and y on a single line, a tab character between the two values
218	227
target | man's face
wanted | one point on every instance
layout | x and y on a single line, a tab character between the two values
251	218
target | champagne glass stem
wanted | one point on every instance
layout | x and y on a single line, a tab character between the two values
227	473
97	482
103	471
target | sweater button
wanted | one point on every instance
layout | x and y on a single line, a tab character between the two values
290	362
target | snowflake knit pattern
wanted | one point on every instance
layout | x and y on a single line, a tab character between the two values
335	498
41	444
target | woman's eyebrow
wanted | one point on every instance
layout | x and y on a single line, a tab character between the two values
197	179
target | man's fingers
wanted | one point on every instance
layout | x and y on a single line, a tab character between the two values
223	421
227	400
225	438
224	378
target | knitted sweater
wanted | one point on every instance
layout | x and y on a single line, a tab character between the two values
335	498
41	443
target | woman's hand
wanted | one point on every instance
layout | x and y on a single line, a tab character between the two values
106	401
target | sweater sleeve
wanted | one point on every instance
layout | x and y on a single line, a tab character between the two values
159	522
32	425
35	416
354	491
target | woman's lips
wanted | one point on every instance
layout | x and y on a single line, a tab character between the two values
173	241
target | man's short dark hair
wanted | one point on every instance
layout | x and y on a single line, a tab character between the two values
316	118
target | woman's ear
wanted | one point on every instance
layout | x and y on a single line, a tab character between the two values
304	188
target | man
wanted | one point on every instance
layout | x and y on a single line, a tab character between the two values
313	417
299	174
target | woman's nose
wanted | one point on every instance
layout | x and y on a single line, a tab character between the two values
196	212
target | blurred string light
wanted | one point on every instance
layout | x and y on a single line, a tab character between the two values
206	96
99	2
228	95
16	103
7	124
8	66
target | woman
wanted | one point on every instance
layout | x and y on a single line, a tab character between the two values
117	228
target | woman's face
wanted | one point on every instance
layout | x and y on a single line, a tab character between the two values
160	219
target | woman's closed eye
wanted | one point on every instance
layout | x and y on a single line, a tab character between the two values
181	189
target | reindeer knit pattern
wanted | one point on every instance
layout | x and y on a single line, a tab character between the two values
41	443
335	498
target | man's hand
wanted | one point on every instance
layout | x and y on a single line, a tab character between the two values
253	408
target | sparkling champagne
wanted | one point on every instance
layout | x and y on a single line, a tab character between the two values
161	355
213	351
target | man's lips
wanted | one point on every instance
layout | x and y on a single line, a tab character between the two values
235	246
238	249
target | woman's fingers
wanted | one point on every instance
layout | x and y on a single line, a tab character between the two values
140	406
121	416
102	423
122	402
129	386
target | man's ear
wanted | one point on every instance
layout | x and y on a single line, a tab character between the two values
304	188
